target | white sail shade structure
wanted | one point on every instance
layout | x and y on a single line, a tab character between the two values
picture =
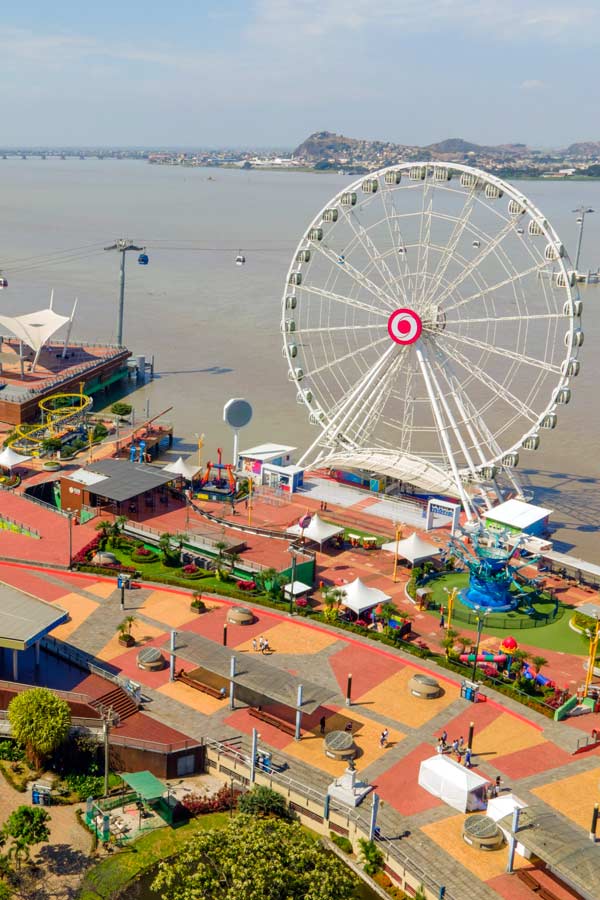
412	548
9	459
318	530
36	328
359	597
184	469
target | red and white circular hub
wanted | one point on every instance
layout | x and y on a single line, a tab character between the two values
404	326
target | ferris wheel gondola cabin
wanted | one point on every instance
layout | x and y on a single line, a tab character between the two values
240	259
3	281
143	259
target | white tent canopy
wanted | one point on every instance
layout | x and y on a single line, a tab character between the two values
359	597
453	783
413	548
502	806
10	459
185	469
318	530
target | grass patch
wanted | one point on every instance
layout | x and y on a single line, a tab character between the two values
113	874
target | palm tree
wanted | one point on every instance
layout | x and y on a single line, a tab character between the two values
386	611
104	526
519	657
449	641
537	663
334	596
232	558
221	546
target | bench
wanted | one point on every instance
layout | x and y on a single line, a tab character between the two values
199	686
545	894
286	727
528	880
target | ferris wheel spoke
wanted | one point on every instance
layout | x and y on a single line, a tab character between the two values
341	298
512	279
356	276
344	328
503	352
377	260
493	386
396	242
473	265
375	409
443	428
491	320
450	248
340	359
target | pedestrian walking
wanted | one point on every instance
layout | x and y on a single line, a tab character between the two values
440	747
261	643
444	737
442	620
468	758
254	645
384	738
461	743
498	783
455	745
322	724
265	646
325	507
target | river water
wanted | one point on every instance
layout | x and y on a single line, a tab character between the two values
214	326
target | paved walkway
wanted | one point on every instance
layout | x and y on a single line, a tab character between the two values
529	752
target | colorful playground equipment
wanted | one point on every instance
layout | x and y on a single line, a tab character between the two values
540	679
60	414
496	584
137	452
498	658
218	481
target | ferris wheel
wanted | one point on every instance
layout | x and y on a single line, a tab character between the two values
431	325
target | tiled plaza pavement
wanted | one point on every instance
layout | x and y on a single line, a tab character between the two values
532	755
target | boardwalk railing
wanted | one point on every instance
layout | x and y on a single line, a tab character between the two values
310	804
86	662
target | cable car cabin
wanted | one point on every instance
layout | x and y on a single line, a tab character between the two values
3	282
476	244
143	259
240	259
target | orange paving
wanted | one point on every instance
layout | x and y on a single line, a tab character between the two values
171	609
447	834
574	796
189	696
366	736
392	698
141	631
507	734
101	589
290	638
79	608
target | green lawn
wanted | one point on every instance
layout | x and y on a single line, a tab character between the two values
555	636
111	875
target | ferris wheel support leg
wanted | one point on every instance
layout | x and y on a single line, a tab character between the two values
423	363
335	425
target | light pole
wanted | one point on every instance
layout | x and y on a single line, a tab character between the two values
480	621
123	245
582	212
292	550
70	514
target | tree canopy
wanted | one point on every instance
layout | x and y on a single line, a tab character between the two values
40	721
26	825
254	859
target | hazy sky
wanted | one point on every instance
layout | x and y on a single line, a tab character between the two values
269	72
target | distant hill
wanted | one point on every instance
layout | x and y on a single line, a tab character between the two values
326	145
454	145
584	148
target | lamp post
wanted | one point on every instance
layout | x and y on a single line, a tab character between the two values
594	636
292	550
582	212
480	621
398	536
451	598
70	516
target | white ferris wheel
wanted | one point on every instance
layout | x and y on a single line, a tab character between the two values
431	325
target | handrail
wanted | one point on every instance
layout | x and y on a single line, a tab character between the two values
32	532
72	654
18	687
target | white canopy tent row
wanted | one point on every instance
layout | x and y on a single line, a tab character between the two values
413	548
182	468
318	531
9	459
35	329
359	598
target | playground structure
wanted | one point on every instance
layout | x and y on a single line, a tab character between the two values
137	453
61	414
496	583
218	481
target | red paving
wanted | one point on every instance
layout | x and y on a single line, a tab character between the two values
32	583
481	714
532	761
53	546
398	785
511	888
241	720
210	625
367	669
127	665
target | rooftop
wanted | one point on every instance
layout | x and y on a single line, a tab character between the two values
119	479
267	451
517	513
25	619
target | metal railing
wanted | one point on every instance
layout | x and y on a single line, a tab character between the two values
45	505
71	654
18	687
22	529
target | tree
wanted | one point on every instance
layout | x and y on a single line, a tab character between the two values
371	856
387	611
538	662
519	657
221	546
27	826
263	801
333	596
254	859
232	558
449	640
40	721
121	409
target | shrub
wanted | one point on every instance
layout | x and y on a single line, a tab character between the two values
263	801
121	409
372	857
85	786
302	602
11	751
224	799
190	569
144	555
342	842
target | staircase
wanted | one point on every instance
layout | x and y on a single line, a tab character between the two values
119	701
